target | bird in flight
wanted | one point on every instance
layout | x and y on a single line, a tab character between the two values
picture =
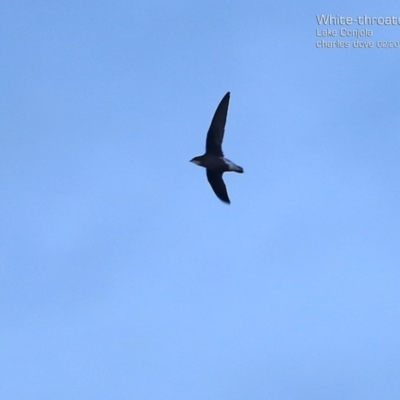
213	159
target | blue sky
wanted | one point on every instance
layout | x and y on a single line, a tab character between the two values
123	276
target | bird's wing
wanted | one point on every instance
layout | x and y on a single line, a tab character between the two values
215	133
218	185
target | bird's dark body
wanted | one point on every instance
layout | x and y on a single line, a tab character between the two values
213	163
213	159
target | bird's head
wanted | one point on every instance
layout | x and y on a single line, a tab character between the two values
196	160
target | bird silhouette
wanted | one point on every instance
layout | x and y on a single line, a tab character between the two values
213	159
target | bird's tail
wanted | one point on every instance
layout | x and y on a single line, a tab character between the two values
236	168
